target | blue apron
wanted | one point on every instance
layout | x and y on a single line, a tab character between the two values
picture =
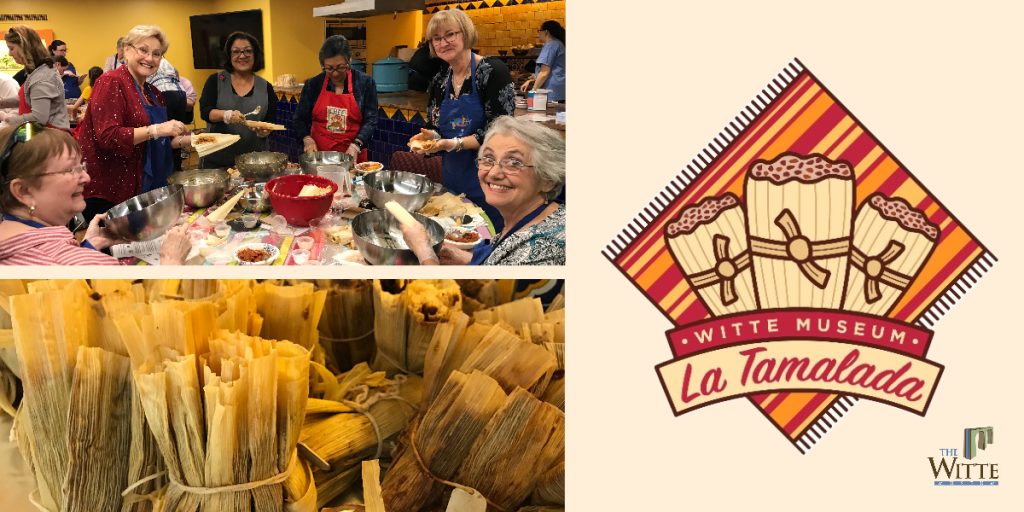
461	117
483	251
159	157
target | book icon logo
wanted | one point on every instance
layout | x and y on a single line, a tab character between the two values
802	267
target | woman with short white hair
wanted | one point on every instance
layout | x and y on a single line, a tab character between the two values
127	140
521	170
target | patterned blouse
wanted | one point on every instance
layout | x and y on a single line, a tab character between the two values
49	246
540	244
493	84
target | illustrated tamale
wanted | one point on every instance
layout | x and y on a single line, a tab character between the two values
405	317
709	242
799	222
891	242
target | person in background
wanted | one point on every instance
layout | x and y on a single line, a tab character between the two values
521	168
337	109
166	80
41	97
126	136
72	82
43	180
423	67
8	88
230	94
190	92
94	74
551	62
117	58
463	100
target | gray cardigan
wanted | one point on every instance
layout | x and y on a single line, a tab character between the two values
44	92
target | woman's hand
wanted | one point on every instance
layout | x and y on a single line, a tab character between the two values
309	145
424	141
353	151
262	132
451	255
184	141
170	128
99	237
4	116
418	240
176	246
526	85
233	117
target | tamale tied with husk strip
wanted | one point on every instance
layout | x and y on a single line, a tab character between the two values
346	326
405	317
528	310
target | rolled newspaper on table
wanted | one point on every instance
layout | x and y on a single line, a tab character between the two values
891	242
799	213
709	242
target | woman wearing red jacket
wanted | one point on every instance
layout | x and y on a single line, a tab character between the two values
127	140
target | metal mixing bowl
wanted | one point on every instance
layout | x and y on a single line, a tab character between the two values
310	162
379	238
202	187
408	189
146	216
260	166
255	199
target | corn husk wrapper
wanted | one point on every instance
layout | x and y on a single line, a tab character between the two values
332	484
522	311
372	498
555	394
405	319
550	488
346	327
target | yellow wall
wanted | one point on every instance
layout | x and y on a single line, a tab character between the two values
298	36
386	31
500	28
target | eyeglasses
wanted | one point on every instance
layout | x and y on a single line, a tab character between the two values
156	54
22	133
243	51
509	165
75	171
336	69
448	37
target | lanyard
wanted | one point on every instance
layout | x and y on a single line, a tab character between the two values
27	222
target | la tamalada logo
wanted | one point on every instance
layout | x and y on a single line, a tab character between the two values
802	265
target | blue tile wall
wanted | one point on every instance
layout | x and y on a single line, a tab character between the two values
391	134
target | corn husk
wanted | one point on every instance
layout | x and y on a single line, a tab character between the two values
555	394
405	318
143	460
331	484
346	327
290	312
528	310
8	390
550	488
99	431
511	361
372	498
525	434
443	439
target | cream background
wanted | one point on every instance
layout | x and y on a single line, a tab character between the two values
940	86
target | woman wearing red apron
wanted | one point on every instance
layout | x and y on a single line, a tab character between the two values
337	109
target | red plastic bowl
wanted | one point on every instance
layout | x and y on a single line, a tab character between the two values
298	211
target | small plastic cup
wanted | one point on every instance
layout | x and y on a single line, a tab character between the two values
304	242
277	223
222	229
250	220
300	256
218	258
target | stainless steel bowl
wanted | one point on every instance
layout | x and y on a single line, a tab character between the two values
260	166
255	199
202	187
311	162
146	216
379	238
408	189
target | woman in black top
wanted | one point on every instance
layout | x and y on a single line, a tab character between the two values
233	92
464	99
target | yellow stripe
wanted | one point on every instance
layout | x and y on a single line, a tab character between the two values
790	407
814	415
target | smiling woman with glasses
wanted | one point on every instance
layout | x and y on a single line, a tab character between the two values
237	89
41	98
127	137
337	109
42	183
521	169
463	99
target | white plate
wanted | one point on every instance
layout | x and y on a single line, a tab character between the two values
274	253
359	168
466	246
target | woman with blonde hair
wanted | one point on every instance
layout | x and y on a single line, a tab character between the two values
464	98
41	97
126	137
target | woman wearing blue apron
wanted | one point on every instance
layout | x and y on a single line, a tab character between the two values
158	161
464	98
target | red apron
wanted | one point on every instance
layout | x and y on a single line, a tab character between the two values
337	120
23	107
